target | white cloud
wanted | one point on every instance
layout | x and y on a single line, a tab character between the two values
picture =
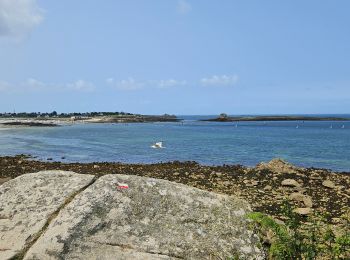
132	84
81	85
183	7
223	80
170	83
34	85
110	81
125	84
28	85
19	17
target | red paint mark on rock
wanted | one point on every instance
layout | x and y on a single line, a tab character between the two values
122	186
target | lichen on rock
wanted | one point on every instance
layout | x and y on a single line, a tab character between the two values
28	201
151	219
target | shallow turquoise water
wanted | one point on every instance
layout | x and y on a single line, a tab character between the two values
313	144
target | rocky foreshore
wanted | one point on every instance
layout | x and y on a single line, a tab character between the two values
31	122
28	123
265	186
6	122
100	210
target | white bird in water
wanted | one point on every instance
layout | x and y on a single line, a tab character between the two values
343	126
297	126
158	145
331	126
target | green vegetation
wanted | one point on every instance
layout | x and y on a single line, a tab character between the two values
303	237
223	115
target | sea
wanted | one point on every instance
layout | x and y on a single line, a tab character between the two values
319	144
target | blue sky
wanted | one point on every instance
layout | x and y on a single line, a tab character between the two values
175	56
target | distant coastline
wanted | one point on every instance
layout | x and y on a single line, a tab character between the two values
53	119
225	118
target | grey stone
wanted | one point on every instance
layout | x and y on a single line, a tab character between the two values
303	211
308	201
28	201
267	187
291	183
131	217
296	196
328	184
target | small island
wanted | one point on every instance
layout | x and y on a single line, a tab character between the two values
225	118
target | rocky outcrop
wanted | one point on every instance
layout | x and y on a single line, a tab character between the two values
278	166
64	215
28	202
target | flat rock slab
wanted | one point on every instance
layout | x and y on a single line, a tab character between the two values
27	202
131	217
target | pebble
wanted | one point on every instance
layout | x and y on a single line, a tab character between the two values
307	201
267	187
296	196
328	184
290	183
226	183
255	183
303	211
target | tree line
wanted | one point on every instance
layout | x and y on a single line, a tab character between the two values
55	114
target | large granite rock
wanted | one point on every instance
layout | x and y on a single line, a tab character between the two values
27	202
130	217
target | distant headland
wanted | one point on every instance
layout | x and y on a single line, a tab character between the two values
225	118
55	119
